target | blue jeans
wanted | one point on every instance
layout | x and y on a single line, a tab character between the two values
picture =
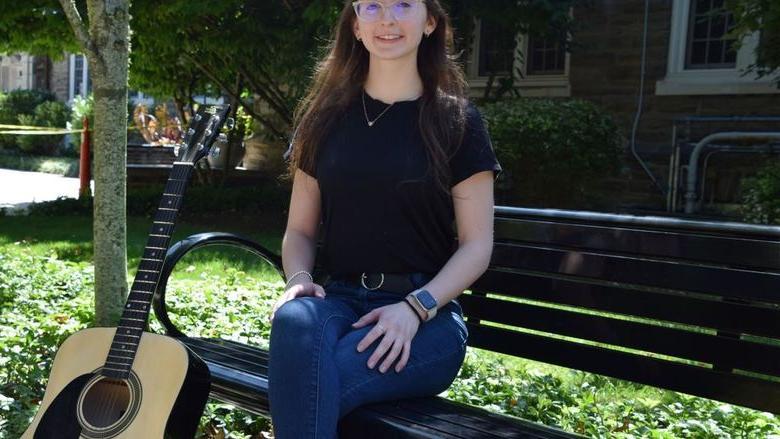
316	375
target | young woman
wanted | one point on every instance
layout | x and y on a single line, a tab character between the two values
395	161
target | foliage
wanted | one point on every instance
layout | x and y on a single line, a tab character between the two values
759	16
553	151
17	103
82	107
201	199
44	299
52	114
64	166
38	27
761	199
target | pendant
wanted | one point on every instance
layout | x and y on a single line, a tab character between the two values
370	123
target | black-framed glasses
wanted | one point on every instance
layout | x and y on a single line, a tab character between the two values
371	11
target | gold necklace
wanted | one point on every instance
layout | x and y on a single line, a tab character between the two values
371	122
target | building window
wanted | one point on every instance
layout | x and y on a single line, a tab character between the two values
496	49
79	82
545	57
78	73
702	62
707	48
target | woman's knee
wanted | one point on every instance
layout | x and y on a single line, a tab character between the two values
297	315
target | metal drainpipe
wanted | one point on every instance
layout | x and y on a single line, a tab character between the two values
693	163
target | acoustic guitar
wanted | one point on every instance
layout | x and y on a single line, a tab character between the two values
124	382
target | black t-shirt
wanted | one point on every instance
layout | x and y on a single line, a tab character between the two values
378	214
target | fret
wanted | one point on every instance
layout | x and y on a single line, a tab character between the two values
163	222
157	248
151	259
135	310
116	362
114	369
172	195
135	320
128	335
149	271
147	282
121	350
160	236
165	208
143	292
138	301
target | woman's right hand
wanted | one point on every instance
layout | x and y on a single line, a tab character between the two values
299	289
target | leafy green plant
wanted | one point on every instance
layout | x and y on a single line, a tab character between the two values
52	114
761	199
16	103
45	298
554	152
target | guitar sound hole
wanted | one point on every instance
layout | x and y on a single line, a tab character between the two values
105	402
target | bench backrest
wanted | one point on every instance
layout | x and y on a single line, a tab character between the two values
689	306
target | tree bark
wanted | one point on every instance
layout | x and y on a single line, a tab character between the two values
105	40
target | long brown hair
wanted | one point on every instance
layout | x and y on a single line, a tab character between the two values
339	77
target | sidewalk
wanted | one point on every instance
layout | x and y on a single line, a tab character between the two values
19	188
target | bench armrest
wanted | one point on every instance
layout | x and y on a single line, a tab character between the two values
181	248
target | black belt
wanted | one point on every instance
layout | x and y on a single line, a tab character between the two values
400	283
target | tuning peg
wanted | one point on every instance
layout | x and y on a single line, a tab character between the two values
222	138
230	123
215	151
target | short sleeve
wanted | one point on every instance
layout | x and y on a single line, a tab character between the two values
475	153
286	156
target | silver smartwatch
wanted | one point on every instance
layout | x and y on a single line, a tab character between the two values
425	302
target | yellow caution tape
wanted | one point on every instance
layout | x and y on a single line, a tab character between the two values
49	132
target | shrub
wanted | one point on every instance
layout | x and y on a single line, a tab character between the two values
16	103
761	199
53	114
553	152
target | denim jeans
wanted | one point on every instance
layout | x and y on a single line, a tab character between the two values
316	375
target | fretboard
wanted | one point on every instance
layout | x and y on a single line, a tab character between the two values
136	311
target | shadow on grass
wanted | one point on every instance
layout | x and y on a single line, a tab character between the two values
70	238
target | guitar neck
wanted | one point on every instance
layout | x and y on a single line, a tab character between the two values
136	311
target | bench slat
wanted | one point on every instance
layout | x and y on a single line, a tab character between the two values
760	394
735	251
699	278
688	309
675	342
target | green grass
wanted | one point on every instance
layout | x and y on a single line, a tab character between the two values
70	238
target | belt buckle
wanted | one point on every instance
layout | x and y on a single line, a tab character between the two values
363	281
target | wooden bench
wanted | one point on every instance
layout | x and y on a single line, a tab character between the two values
690	306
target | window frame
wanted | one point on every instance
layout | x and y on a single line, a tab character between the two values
680	80
557	85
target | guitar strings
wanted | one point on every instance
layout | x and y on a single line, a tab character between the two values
110	396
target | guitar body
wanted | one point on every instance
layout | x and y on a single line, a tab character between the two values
163	396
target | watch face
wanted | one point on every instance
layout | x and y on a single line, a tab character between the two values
426	299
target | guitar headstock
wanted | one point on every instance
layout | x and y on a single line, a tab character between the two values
202	132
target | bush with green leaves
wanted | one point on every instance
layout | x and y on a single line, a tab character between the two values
761	195
17	103
553	152
52	114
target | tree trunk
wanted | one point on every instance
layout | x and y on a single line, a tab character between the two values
109	25
107	47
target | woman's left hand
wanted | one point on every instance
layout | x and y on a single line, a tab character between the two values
397	325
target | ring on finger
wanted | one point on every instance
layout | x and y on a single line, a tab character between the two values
381	328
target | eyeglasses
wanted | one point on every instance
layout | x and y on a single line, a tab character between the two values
371	11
